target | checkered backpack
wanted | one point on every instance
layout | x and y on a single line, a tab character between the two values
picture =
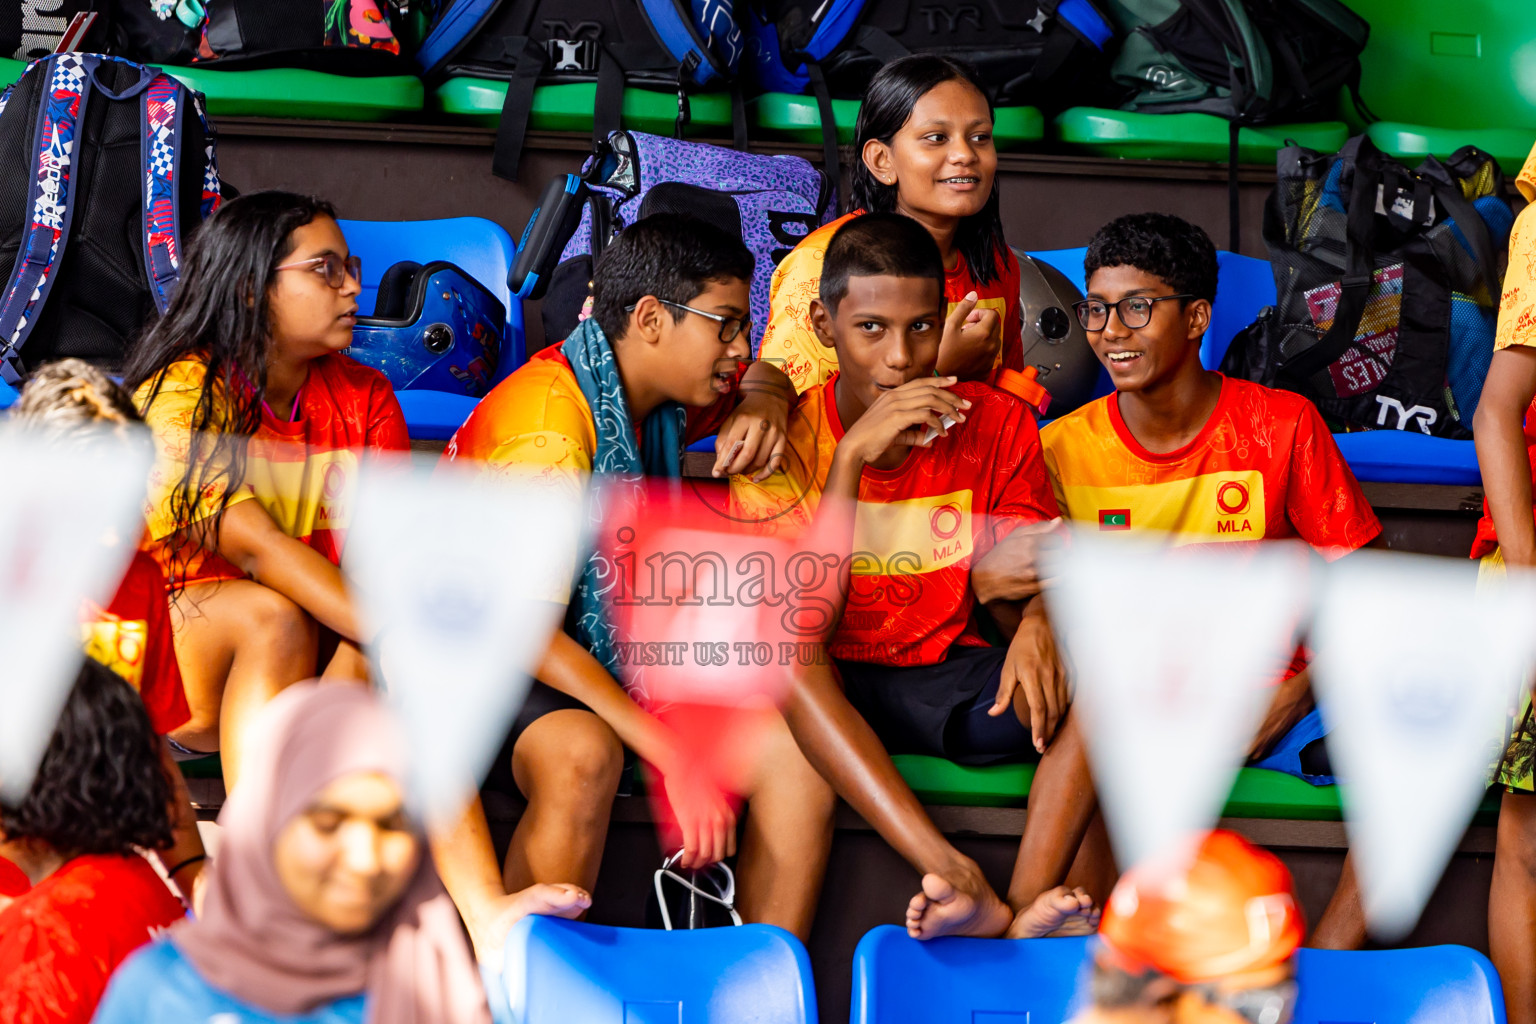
104	164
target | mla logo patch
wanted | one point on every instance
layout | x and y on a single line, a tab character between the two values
1114	519
1232	498
945	521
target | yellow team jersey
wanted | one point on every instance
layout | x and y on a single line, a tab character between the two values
1263	467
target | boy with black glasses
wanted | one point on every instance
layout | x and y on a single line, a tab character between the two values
1199	458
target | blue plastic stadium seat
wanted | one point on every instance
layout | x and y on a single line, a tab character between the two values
559	971
482	249
899	980
1439	984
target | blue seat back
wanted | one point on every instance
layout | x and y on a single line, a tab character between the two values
899	980
479	247
560	971
1443	984
1244	286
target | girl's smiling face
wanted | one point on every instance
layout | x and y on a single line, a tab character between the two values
308	318
943	159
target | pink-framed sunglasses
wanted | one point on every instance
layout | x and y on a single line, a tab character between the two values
335	269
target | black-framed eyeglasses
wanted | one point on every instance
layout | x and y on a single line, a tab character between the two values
1134	310
730	326
335	269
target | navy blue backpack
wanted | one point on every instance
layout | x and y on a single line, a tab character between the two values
1044	53
668	45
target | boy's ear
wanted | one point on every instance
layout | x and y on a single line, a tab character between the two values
645	320
877	157
1199	313
821	323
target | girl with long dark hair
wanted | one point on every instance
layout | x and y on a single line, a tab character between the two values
923	147
260	422
99	797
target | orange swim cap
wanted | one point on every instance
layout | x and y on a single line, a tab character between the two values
1230	910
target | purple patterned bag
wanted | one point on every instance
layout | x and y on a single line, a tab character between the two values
771	202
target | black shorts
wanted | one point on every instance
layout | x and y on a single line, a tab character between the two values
541	700
940	710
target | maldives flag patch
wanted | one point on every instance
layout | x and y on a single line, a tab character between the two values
1114	519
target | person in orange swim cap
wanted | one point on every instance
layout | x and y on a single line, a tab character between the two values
1204	940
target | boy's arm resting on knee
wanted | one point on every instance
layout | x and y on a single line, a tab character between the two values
571	669
1499	434
253	542
1034	668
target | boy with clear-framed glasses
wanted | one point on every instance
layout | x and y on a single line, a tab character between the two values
663	360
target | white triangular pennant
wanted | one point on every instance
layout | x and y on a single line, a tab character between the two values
464	578
1173	653
70	516
1417	669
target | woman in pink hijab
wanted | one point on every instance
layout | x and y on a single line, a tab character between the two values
322	906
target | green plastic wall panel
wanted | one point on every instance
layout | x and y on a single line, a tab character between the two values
1450	63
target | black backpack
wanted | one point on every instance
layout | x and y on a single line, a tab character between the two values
667	45
1044	53
105	167
1388	283
1251	62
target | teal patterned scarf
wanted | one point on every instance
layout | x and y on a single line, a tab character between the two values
619	467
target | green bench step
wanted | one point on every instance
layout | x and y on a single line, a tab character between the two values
10	70
1188	136
293	92
1411	143
569	107
1257	793
786	115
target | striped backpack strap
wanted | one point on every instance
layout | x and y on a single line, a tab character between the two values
50	201
166	102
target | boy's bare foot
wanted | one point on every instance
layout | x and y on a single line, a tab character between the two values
942	908
1056	912
488	928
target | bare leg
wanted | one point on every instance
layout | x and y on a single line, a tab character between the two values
347	663
238	644
956	898
186	842
1512	906
567	764
788	836
465	859
1342	925
1062	804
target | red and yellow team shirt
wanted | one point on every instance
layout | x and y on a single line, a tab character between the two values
132	637
790	342
919	527
1517	321
537	426
300	472
61	940
1264	467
